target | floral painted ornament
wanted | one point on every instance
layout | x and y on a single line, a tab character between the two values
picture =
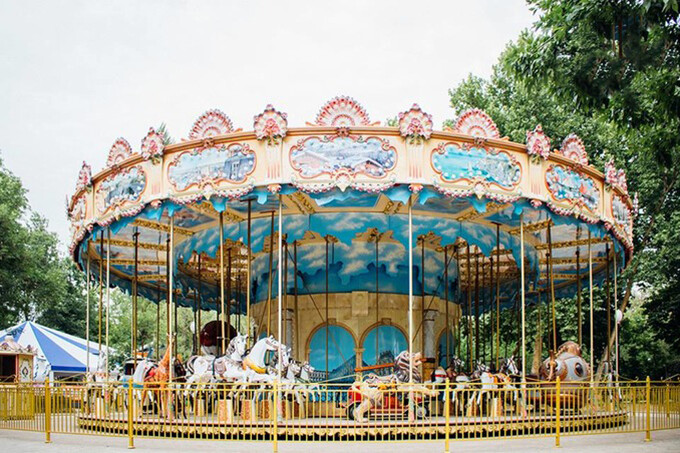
120	150
538	144
84	177
415	124
211	124
152	146
477	123
342	111
270	125
574	149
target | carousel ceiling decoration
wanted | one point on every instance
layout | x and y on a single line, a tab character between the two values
354	184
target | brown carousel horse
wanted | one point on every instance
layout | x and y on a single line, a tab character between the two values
156	380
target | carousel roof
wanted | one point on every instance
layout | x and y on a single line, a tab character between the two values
347	182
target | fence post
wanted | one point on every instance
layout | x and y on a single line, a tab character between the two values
447	411
48	412
131	417
668	400
648	422
275	414
558	410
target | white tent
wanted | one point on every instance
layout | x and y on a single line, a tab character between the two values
58	354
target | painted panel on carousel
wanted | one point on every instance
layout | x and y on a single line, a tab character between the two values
568	185
455	162
119	188
316	156
231	163
622	214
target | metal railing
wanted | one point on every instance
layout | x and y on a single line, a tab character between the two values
283	412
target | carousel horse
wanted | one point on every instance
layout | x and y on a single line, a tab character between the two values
254	365
206	368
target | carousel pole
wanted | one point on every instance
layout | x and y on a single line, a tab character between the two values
446	300
609	313
171	266
295	299
158	321
469	304
498	294
248	269
87	318
476	306
459	296
269	282
223	345
522	297
279	284
101	294
579	315
377	299
167	290
410	288
108	295
198	315
285	292
228	312
134	299
616	319
552	287
590	278
422	287
326	308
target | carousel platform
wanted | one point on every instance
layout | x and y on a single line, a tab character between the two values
343	429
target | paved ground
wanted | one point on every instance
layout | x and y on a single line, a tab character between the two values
662	441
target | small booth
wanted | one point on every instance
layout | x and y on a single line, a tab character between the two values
16	379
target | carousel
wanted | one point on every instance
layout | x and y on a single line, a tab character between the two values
346	245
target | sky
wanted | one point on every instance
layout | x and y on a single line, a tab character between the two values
75	75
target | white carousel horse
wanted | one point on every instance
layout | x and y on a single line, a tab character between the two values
207	368
254	365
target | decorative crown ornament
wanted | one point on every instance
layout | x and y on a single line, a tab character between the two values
152	146
120	150
84	177
574	149
270	125
343	111
538	144
210	124
415	124
477	123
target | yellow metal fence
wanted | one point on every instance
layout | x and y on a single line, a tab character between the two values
284	412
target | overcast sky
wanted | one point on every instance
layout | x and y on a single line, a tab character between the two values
75	75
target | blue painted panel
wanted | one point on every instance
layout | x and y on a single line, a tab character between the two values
455	163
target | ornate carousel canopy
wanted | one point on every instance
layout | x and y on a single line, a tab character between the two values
345	184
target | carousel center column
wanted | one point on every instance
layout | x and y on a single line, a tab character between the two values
429	341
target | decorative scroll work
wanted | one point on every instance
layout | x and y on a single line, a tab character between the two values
622	215
342	111
84	177
77	215
574	149
120	150
566	184
210	124
477	123
152	146
119	188
211	165
454	162
315	156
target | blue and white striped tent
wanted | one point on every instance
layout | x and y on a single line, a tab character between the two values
65	354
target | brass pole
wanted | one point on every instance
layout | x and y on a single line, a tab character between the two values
590	277
101	294
171	267
579	315
269	282
469	303
279	288
167	290
223	343
459	296
422	289
552	287
248	269
327	324
87	317
446	306
377	299
286	340
295	299
616	321
522	293
498	294
108	295
134	298
158	322
476	306
609	314
410	287
228	312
